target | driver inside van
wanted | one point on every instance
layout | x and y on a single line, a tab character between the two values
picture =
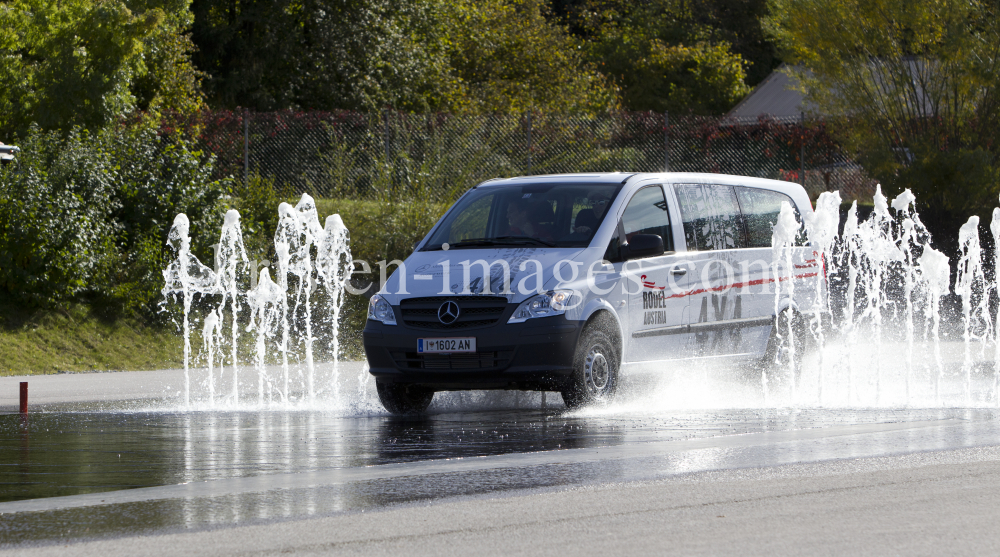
587	219
521	224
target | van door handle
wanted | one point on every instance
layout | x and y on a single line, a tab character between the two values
678	271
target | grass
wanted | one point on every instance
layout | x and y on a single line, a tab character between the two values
75	339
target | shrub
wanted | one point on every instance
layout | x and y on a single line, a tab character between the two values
157	176
53	226
87	214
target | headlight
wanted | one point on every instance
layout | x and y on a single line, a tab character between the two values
555	302
380	310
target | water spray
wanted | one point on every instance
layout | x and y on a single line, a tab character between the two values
186	276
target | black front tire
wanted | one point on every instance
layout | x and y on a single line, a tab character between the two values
403	399
595	367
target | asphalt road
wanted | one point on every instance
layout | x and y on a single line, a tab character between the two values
941	503
503	476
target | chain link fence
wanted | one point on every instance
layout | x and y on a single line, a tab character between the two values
392	154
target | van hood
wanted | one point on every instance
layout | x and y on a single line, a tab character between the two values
426	272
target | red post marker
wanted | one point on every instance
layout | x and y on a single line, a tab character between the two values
24	397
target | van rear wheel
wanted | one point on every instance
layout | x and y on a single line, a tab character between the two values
403	399
595	369
785	351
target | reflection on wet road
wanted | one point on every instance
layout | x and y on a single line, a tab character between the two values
221	468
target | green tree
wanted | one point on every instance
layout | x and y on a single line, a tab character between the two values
915	85
425	55
316	54
739	23
703	79
508	57
168	80
664	54
86	63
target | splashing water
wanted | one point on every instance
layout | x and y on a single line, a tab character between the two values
970	285
307	255
186	277
908	240
821	228
265	302
783	240
995	229
895	282
936	274
878	325
286	239
334	265
230	257
301	265
209	335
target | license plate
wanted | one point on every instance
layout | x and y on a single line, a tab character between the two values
439	345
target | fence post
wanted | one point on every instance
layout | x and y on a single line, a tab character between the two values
529	143
802	147
385	133
246	147
666	141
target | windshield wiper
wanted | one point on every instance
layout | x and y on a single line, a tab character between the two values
526	240
474	242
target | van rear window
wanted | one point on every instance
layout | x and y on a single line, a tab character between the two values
760	212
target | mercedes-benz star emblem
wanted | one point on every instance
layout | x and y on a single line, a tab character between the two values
448	312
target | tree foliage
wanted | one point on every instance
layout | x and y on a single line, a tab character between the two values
663	54
314	54
508	57
916	84
85	214
372	54
85	63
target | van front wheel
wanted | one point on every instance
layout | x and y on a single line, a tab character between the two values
595	369
403	399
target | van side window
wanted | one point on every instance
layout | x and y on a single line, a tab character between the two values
760	212
647	213
711	217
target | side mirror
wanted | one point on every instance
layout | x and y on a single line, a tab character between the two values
7	153
644	245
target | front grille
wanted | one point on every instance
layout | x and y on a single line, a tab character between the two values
477	360
474	311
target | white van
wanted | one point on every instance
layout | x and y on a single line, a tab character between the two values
563	282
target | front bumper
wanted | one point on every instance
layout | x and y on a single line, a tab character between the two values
534	355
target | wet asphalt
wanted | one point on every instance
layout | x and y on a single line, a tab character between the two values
74	470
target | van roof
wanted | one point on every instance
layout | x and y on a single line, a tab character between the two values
581	178
622	177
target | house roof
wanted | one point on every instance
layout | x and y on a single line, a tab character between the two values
775	96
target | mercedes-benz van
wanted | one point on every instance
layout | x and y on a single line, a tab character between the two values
565	282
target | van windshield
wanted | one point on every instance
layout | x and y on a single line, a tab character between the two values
536	215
